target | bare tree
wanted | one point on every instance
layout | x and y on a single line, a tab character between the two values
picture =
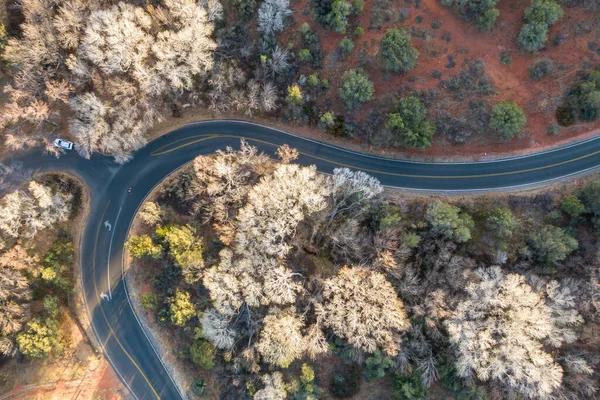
275	207
361	306
274	387
498	332
281	341
351	191
216	328
151	213
272	15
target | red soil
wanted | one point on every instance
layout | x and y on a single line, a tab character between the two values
537	98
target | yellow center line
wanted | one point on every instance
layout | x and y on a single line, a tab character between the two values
99	300
204	138
158	151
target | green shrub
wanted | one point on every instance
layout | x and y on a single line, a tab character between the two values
305	56
572	206
584	97
409	387
591	196
356	89
540	68
333	14
554	217
55	269
546	12
346	45
185	247
51	307
202	353
457	386
359	31
552	244
501	222
357	6
540	15
505	58
564	116
3	43
244	8
181	308
482	13
409	123
377	365
553	129
533	35
311	42
313	80
150	301
345	383
398	54
386	216
326	121
507	118
451	223
141	246
3	37
411	239
199	387
485	22
39	338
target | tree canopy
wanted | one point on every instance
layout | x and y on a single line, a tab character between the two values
356	89
410	124
397	51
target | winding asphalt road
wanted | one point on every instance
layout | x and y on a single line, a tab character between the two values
113	209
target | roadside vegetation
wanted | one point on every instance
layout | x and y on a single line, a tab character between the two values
40	339
266	262
105	75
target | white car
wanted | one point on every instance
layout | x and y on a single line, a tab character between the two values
63	144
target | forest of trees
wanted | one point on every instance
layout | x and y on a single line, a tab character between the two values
267	270
296	267
35	280
108	72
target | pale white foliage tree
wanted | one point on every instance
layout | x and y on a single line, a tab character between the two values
214	10
14	312
498	332
360	305
278	63
151	213
280	287
315	341
11	211
89	124
272	15
224	286
216	328
275	207
186	52
274	387
23	214
351	191
231	89
565	318
117	39
6	346
69	22
281	340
